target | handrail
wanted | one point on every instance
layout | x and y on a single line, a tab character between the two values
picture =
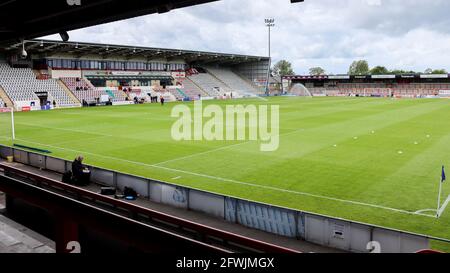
153	214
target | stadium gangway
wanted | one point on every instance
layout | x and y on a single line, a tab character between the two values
206	236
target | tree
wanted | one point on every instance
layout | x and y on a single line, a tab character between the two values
379	70
428	71
316	71
399	72
439	71
283	68
360	67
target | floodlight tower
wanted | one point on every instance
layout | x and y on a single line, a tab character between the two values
270	23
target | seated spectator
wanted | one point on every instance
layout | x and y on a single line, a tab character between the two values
81	174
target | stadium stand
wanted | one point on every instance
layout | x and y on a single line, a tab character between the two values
84	90
178	93
190	89
14	84
50	71
233	80
208	83
21	85
397	87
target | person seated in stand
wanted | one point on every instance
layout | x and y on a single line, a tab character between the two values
80	174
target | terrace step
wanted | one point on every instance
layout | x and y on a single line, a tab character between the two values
5	98
252	84
198	86
182	93
67	90
217	78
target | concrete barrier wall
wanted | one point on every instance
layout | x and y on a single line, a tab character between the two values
263	217
322	230
56	165
208	203
174	196
36	160
20	156
140	185
5	151
102	177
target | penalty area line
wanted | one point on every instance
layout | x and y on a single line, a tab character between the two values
237	182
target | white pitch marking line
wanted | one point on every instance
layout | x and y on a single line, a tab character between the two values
444	206
215	150
63	129
237	182
422	212
198	154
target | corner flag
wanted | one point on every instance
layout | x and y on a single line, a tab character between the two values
443	178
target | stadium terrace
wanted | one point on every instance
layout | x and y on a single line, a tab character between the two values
399	86
71	74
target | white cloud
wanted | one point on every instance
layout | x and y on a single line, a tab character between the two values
407	34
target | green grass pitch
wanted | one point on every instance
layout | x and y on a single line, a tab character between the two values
364	159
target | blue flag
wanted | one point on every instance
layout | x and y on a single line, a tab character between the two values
443	178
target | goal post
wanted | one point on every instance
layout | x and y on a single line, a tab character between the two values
7	127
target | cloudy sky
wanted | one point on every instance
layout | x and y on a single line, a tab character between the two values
400	34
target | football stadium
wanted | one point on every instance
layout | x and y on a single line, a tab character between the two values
360	160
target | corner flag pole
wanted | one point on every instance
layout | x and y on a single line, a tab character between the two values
439	200
443	178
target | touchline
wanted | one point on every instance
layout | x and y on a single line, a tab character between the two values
238	122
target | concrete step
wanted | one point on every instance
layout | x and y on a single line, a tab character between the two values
4	96
15	238
67	90
255	88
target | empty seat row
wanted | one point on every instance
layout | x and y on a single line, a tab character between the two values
234	81
84	90
212	86
21	85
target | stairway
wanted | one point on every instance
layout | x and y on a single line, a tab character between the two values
204	93
219	80
5	98
257	89
111	94
182	93
69	93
